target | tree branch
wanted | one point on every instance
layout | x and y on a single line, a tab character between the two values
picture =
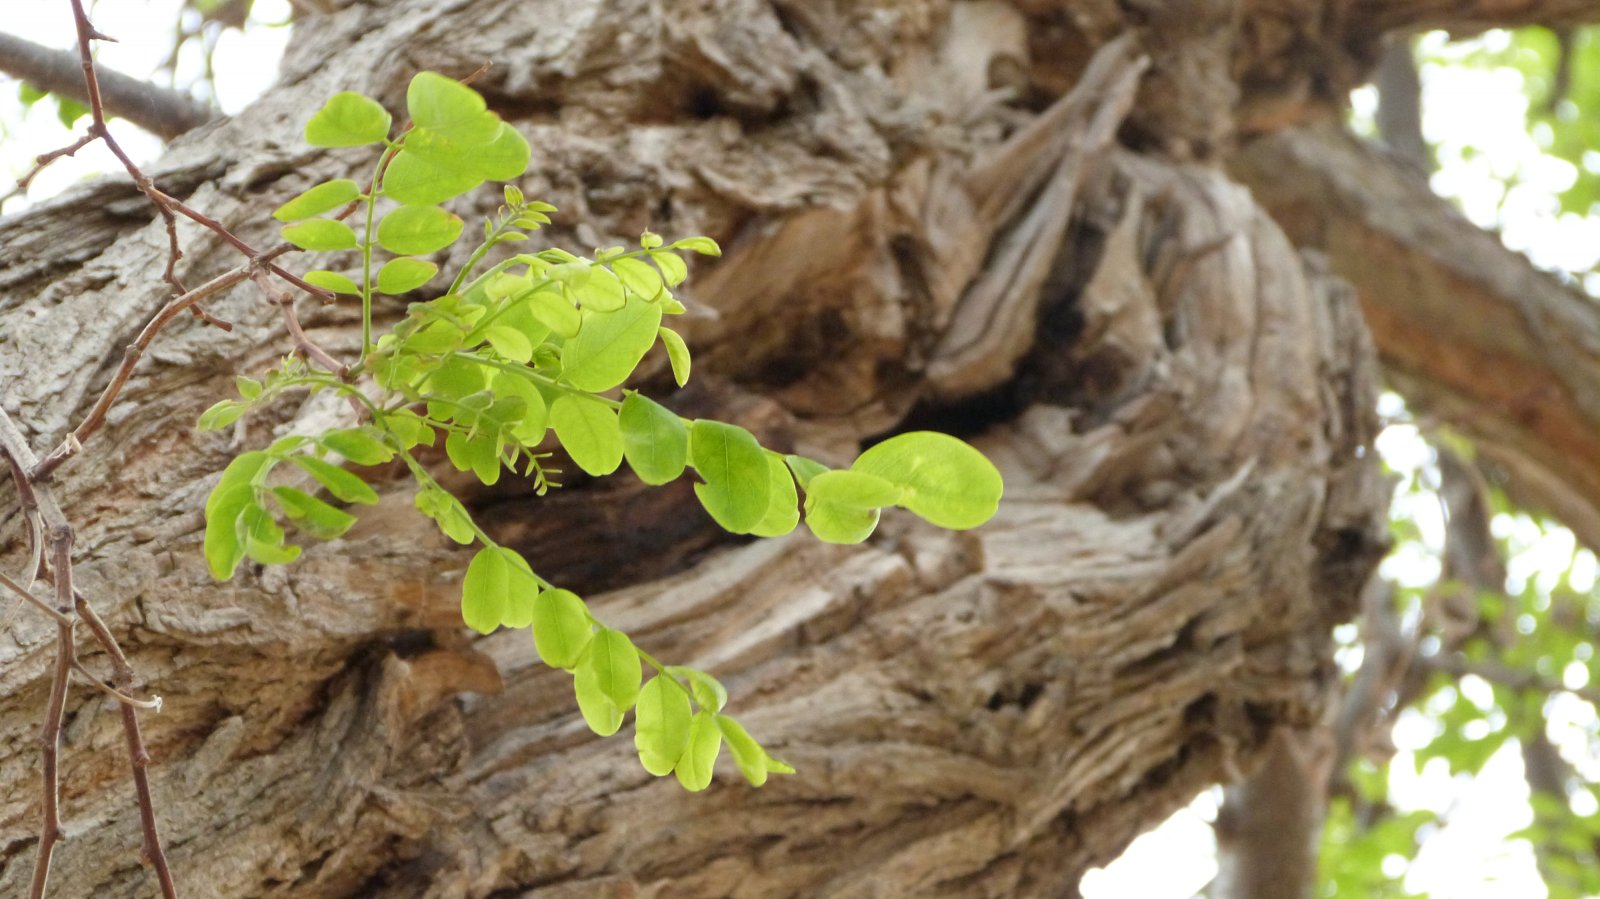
164	112
1466	17
1468	330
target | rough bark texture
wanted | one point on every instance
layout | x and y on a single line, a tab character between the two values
925	225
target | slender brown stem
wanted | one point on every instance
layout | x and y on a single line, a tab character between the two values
96	416
285	301
138	758
55	710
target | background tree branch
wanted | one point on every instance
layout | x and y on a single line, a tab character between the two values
164	112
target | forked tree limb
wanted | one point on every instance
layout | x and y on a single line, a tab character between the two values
1470	331
161	111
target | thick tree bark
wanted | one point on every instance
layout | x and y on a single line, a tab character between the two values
1179	399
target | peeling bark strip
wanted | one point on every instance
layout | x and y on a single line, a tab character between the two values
1192	500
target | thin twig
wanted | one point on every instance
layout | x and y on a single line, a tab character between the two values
285	301
41	162
55	710
96	416
24	594
138	758
153	704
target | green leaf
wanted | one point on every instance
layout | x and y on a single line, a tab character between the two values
839	524
737	485
673	269
944	480
783	508
234	493
69	111
498	583
320	234
327	196
405	274
450	109
561	628
363	445
411	230
509	342
600	292
249	388
804	469
312	515
661	725
677	354
699	760
221	414
332	281
348	120
589	431
344	485
413	179
409	428
506	157
654	441
746	752
447	512
607	680
709	693
479	454
263	539
705	246
852	490
609	346
551	307
535	417
639	277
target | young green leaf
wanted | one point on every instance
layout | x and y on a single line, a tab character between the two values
346	486
654	441
263	539
325	197
249	388
320	234
363	445
804	469
485	590
609	345
331	281
746	752
783	508
661	725
447	512
695	767
673	269
404	274
551	307
509	342
479	454
600	292
415	180
607	680
709	693
589	431
234	493
677	354
312	515
450	108
535	416
348	120
561	629
737	485
833	523
853	490
221	414
413	230
705	246
640	278
944	480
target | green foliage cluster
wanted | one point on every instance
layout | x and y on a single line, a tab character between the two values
534	345
1563	100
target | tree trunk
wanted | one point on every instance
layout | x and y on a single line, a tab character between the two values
928	222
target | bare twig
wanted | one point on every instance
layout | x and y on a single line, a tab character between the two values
285	301
96	416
